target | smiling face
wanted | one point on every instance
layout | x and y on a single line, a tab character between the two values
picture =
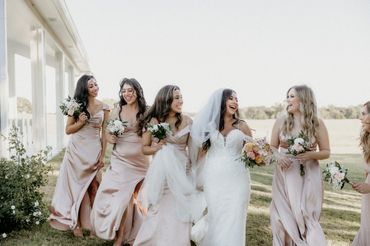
129	94
232	104
365	118
292	101
176	105
92	87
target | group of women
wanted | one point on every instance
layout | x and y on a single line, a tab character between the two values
192	185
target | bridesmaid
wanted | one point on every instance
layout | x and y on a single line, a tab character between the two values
363	235
84	156
166	185
115	214
297	200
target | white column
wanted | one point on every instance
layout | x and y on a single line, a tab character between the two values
4	82
71	81
59	73
11	78
38	89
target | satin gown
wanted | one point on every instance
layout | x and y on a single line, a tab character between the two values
363	234
116	191
296	203
75	175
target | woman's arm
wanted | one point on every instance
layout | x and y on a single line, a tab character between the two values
243	126
147	147
112	139
282	159
103	135
73	125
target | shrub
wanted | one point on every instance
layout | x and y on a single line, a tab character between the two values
21	176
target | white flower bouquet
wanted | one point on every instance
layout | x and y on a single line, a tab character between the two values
70	107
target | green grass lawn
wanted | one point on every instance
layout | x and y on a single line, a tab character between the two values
340	215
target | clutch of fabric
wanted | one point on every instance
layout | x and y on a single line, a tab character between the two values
168	171
199	218
199	230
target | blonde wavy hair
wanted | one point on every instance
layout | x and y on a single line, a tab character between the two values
365	137
308	108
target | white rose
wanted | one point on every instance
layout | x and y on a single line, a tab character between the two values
70	112
117	123
35	214
27	176
37	204
3	235
299	141
298	148
12	207
37	222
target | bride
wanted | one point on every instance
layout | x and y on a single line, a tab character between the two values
219	135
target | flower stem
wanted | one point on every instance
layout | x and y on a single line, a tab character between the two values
301	167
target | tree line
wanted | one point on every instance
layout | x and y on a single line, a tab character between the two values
255	112
328	112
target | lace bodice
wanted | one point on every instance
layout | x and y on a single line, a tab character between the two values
232	143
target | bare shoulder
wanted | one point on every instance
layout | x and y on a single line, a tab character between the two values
102	105
187	120
279	122
321	124
244	127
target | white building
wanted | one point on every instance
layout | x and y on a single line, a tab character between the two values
41	57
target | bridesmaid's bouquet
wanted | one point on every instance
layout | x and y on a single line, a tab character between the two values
116	128
70	107
299	145
336	175
160	131
257	153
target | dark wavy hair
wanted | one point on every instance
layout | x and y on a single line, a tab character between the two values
82	94
139	97
161	107
226	94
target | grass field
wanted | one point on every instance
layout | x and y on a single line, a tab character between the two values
340	216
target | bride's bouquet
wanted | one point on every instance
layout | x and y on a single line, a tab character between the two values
336	175
70	107
160	131
257	152
299	145
116	128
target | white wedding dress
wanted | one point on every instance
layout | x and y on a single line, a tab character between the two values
226	184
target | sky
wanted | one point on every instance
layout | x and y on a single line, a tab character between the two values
258	48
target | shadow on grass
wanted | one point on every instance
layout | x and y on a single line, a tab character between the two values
45	235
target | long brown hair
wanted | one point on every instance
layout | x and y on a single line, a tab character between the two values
161	108
365	137
308	108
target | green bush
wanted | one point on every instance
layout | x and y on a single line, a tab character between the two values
21	176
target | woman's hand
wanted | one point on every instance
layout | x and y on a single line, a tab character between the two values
82	118
160	144
308	155
284	162
100	163
362	188
111	138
